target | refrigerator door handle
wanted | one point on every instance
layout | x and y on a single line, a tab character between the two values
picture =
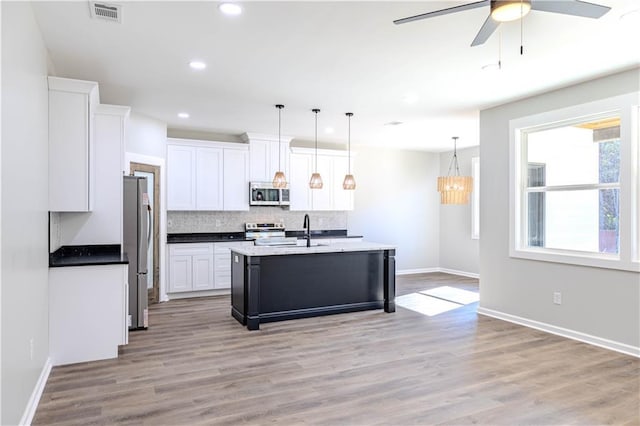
149	230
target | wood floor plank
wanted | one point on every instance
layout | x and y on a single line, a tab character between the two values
196	365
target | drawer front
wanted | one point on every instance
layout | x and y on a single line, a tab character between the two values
190	249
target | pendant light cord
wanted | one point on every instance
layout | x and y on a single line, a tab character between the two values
279	127
316	159
500	49
521	26
454	159
349	114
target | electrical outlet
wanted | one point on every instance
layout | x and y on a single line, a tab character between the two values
31	349
557	298
169	223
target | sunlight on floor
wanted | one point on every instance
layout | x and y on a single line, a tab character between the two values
452	294
437	300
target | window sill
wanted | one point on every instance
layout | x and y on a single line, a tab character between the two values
575	258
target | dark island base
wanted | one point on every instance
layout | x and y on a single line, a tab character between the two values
277	288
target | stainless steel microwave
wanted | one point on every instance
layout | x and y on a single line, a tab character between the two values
264	194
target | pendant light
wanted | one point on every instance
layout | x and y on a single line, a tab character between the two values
316	180
279	179
349	181
454	189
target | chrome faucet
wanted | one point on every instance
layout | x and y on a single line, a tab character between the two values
307	226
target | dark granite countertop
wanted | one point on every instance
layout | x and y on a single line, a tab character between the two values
87	256
218	237
206	237
323	233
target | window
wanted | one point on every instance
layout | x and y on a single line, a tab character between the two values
570	200
475	198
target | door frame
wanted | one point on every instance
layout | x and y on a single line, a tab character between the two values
134	166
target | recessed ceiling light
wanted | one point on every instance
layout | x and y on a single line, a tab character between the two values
329	130
410	98
230	9
183	115
393	123
197	65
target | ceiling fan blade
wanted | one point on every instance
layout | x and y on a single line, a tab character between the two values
446	11
571	7
489	26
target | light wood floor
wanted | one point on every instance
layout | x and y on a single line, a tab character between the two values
197	365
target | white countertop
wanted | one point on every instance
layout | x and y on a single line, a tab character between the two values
319	248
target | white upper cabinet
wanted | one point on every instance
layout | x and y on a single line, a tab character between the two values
181	177
209	179
299	192
104	224
332	166
322	199
204	175
71	156
236	179
267	156
342	199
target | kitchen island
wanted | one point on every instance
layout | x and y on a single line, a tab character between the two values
287	282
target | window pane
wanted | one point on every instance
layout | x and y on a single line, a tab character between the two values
609	236
574	220
609	161
586	153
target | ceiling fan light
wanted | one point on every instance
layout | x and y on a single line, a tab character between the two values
509	10
316	181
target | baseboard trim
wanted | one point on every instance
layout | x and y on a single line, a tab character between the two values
203	293
564	332
431	270
417	271
34	399
460	273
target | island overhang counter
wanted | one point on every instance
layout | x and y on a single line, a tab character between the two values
288	282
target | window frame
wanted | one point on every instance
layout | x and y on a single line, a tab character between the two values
627	258
475	198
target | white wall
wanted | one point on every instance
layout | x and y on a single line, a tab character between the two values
603	303
146	136
24	208
458	252
396	202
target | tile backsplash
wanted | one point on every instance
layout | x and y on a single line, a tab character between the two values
228	221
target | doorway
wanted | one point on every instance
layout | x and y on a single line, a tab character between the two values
152	173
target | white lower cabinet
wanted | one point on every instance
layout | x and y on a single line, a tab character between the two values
203	272
190	267
180	273
222	253
201	266
88	310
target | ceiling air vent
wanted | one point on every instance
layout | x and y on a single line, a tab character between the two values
106	11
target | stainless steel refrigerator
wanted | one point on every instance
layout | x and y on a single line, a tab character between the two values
137	232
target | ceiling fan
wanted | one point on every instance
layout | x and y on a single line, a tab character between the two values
510	10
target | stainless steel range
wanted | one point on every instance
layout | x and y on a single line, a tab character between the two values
269	234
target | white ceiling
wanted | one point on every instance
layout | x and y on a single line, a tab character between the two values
337	56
